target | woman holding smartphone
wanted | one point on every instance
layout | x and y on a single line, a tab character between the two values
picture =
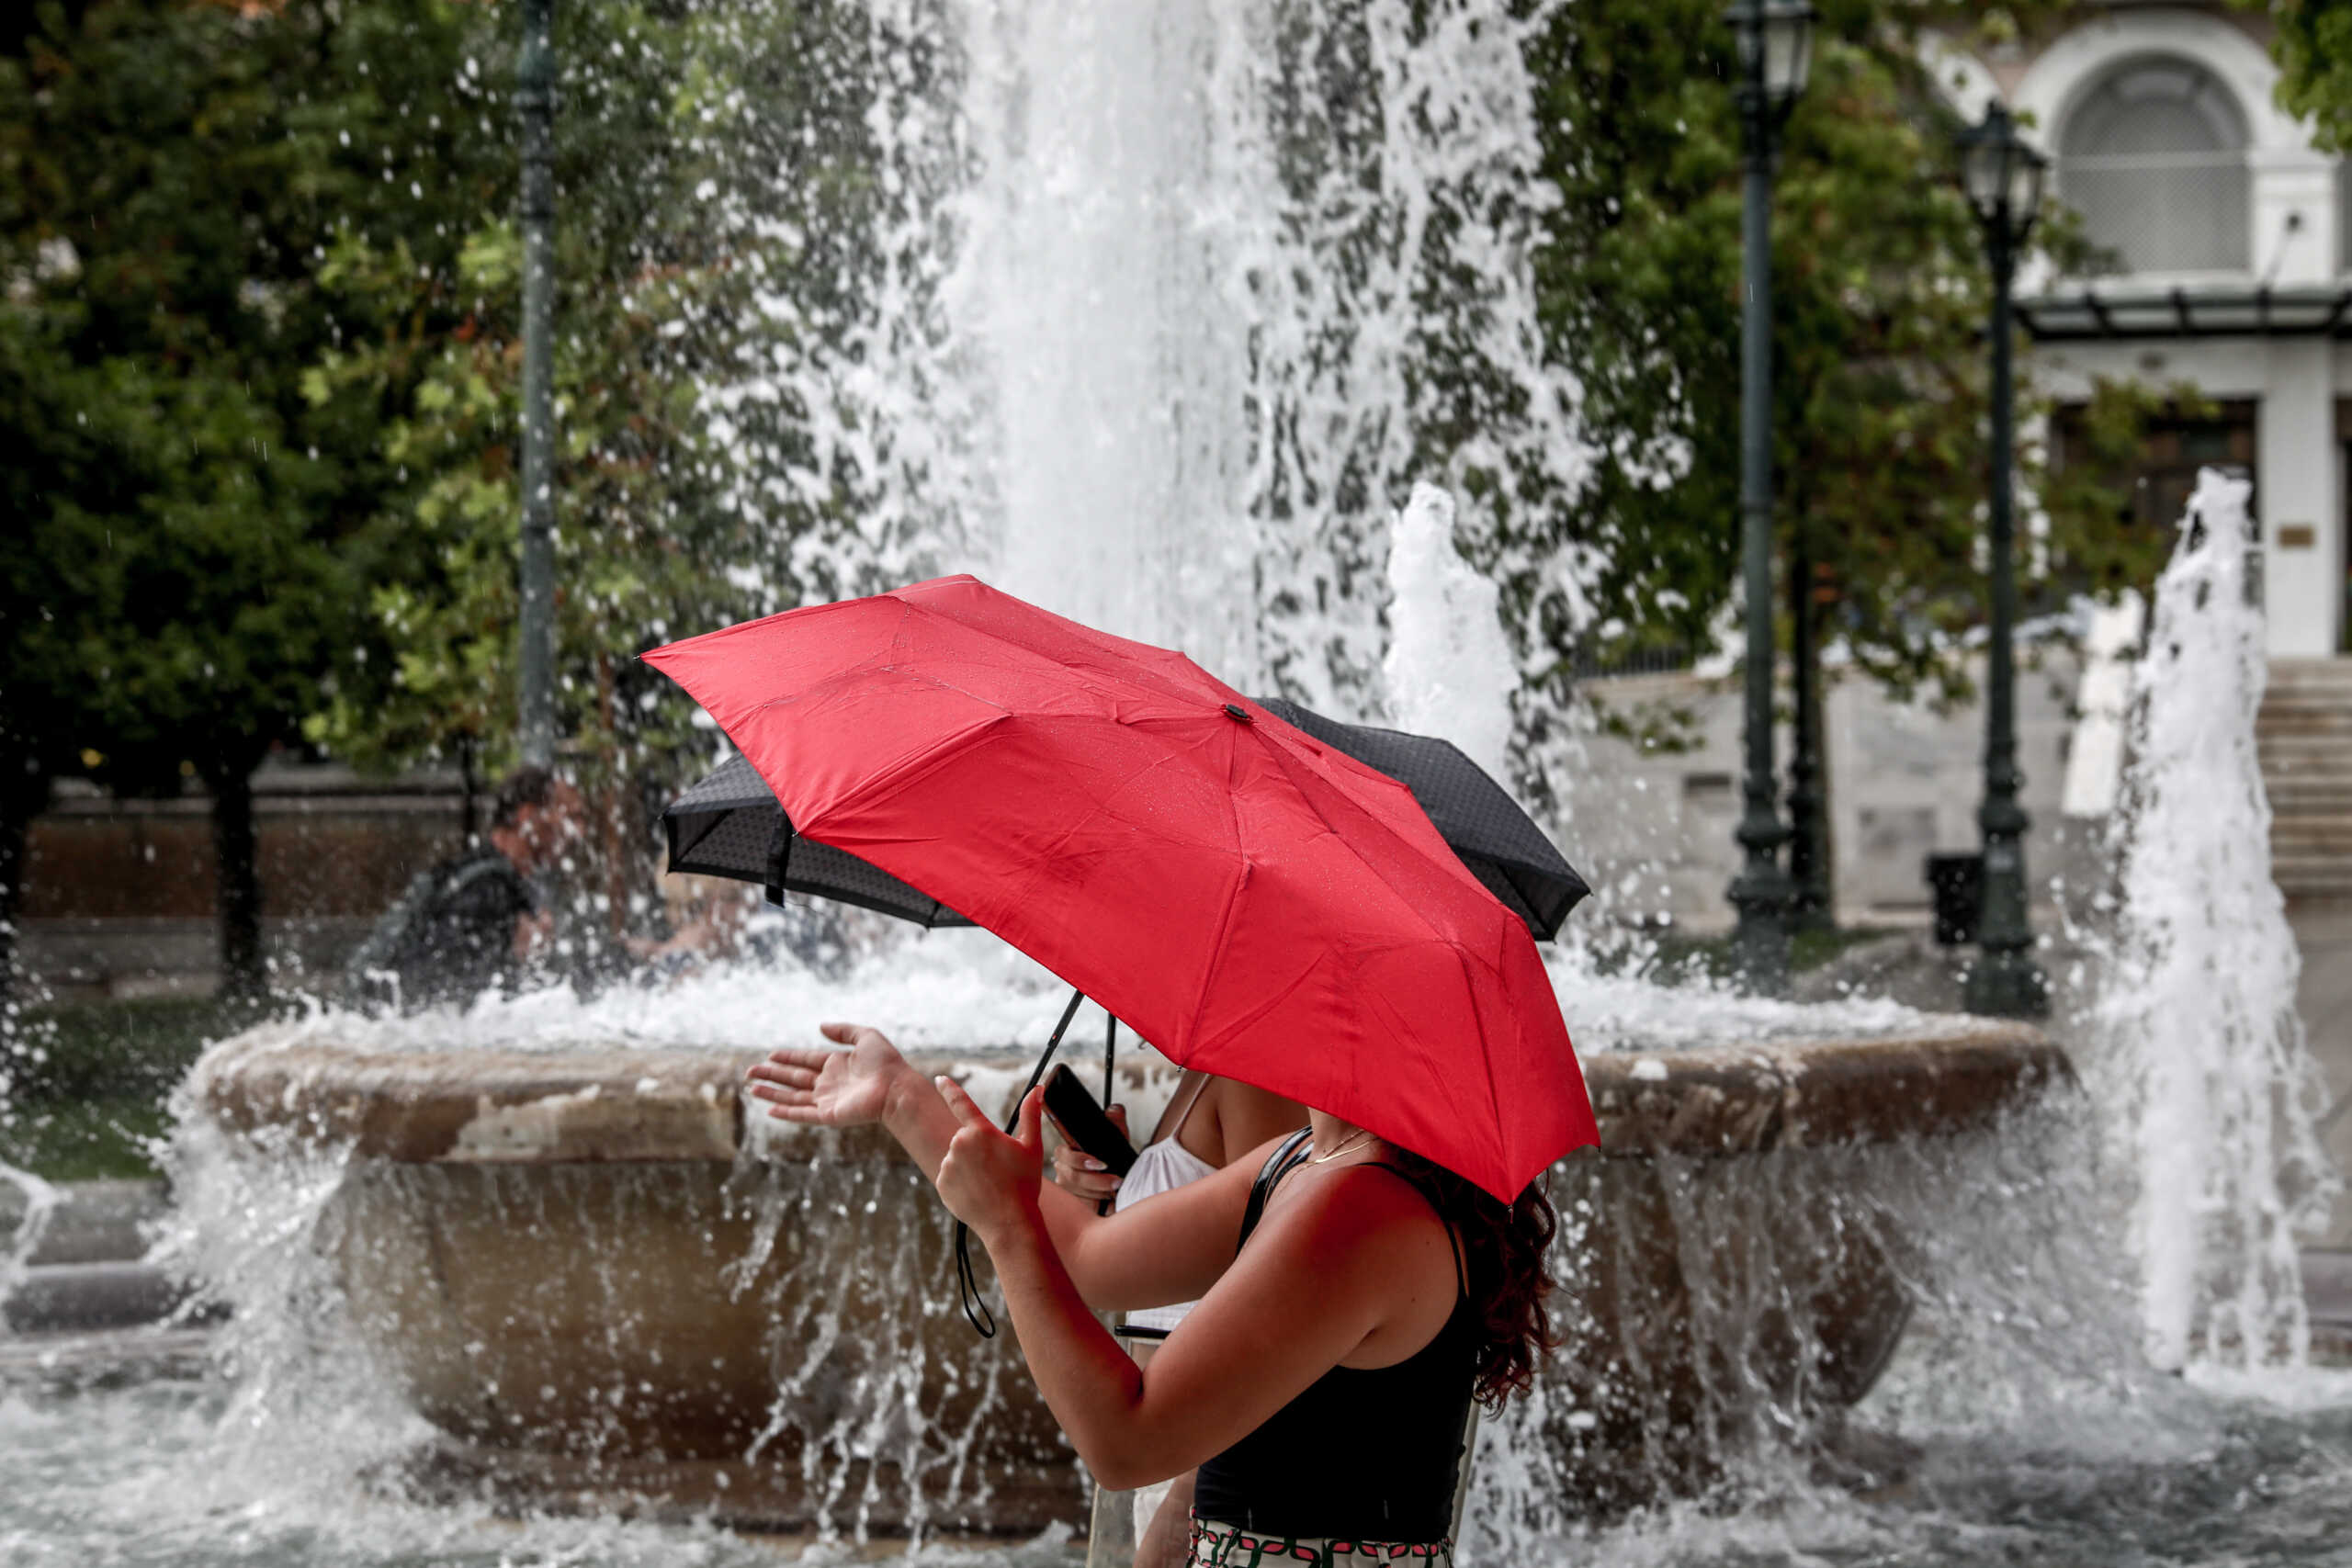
1322	1382
1209	1124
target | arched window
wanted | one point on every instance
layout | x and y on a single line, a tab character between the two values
2154	158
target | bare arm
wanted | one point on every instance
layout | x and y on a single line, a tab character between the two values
1169	1249
1325	1277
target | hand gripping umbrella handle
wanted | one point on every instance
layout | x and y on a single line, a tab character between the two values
968	1288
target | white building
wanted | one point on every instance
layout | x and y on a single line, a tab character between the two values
2229	267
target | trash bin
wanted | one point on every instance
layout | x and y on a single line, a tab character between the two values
1957	885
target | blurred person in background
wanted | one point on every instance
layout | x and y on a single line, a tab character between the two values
477	921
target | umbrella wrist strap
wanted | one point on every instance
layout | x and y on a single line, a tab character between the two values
967	1286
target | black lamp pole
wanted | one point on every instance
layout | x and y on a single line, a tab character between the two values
535	101
1775	41
1811	903
2004	181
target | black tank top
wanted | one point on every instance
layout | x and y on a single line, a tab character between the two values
1363	1453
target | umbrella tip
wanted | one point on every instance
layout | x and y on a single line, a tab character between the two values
1236	710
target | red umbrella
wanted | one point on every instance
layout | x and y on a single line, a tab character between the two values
1255	904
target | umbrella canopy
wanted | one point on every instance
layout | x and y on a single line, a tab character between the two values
729	825
1254	902
1476	816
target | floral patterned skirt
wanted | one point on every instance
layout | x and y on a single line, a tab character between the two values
1220	1545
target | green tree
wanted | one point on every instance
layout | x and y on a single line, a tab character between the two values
169	170
693	179
1880	294
61	479
2313	44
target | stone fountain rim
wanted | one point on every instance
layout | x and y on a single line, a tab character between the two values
592	1104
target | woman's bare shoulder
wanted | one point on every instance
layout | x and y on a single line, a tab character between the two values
1355	1205
1247	1117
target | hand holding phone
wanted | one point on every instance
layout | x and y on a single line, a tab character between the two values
1083	1122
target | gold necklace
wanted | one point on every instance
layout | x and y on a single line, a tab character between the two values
1362	1133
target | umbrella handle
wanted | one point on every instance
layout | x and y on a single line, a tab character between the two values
968	1287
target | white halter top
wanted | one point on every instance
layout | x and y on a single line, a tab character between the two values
1161	1166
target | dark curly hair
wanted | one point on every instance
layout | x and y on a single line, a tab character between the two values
1503	1248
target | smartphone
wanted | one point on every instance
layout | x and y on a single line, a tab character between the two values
1083	1121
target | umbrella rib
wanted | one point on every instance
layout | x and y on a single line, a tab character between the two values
1100	804
1286	762
1095	679
1220	944
1486	1054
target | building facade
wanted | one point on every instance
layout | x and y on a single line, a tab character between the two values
2224	243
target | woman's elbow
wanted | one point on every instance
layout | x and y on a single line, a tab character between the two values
1127	1454
1124	1467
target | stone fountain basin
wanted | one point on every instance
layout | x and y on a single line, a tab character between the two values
597	1276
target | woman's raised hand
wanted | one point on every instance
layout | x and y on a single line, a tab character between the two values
989	1178
831	1089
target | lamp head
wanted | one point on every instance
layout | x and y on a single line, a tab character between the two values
2002	174
1775	39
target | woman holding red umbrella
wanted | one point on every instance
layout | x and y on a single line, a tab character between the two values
1260	905
1323	1382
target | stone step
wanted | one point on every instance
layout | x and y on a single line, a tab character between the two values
2293	727
68	1362
2304	696
2300	813
2289	760
94	1222
2308	793
2322	670
2303	737
2325	722
2314	807
2311	832
2306	862
2301	740
91	1295
2310	694
2321	877
2308	675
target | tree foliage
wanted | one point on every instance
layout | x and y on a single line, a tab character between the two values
677	127
2313	44
1880	294
191	522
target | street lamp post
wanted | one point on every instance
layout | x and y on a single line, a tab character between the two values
535	104
1811	905
2003	176
1775	39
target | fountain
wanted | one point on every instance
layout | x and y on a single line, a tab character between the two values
589	1270
2199	1047
1150	284
1158	360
